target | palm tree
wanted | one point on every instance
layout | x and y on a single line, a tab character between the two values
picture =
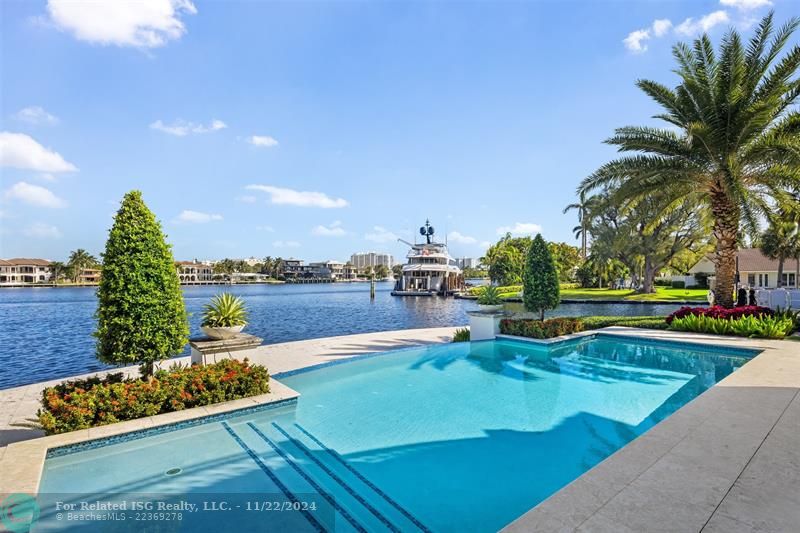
582	206
58	269
736	150
80	259
781	241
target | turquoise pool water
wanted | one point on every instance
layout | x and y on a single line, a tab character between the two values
457	437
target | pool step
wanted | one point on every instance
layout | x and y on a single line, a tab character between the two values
362	500
279	477
340	467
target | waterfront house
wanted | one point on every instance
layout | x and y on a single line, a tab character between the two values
89	276
754	269
320	270
192	272
18	271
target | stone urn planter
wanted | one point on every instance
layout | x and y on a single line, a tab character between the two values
490	308
224	316
222	332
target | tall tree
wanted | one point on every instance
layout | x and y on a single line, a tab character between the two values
581	231
737	145
78	260
140	316
780	242
567	258
541	290
381	272
506	259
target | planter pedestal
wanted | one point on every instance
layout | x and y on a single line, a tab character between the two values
484	325
207	350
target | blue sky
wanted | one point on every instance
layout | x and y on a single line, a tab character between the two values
317	129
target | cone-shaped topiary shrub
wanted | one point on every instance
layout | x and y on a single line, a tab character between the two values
540	279
141	317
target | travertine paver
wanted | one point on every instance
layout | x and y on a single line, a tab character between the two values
727	461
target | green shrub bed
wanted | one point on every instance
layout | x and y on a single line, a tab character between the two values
537	329
503	290
647	322
761	326
95	401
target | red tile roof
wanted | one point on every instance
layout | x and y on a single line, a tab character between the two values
26	261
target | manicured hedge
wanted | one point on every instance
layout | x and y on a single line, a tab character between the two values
537	329
723	313
648	322
97	401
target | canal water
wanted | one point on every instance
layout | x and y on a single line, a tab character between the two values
46	333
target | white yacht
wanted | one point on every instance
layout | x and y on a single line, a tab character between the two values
430	270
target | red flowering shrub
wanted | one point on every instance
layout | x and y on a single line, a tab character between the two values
537	329
95	401
717	311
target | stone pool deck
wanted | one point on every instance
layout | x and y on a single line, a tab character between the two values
728	461
18	405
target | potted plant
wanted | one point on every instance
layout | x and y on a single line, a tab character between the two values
224	317
489	299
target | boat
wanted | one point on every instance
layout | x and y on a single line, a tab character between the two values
430	270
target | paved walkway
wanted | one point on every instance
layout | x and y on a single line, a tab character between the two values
18	406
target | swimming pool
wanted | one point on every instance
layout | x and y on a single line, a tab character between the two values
443	438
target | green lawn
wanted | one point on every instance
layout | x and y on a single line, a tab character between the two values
661	294
572	292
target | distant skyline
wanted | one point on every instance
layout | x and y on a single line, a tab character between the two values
316	130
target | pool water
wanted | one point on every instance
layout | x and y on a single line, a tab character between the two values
456	437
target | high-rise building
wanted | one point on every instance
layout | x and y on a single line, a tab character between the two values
363	260
468	262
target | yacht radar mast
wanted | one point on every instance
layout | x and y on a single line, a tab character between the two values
427	231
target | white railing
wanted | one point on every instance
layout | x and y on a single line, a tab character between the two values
774	298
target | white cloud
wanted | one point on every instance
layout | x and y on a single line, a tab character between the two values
286	244
691	27
35	115
34	195
247	199
21	151
520	228
746	5
196	217
46	176
262	140
334	230
40	230
139	23
635	41
661	27
268	229
457	237
281	196
181	128
380	234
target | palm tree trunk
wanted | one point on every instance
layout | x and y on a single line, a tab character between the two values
583	240
648	280
726	230
781	260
